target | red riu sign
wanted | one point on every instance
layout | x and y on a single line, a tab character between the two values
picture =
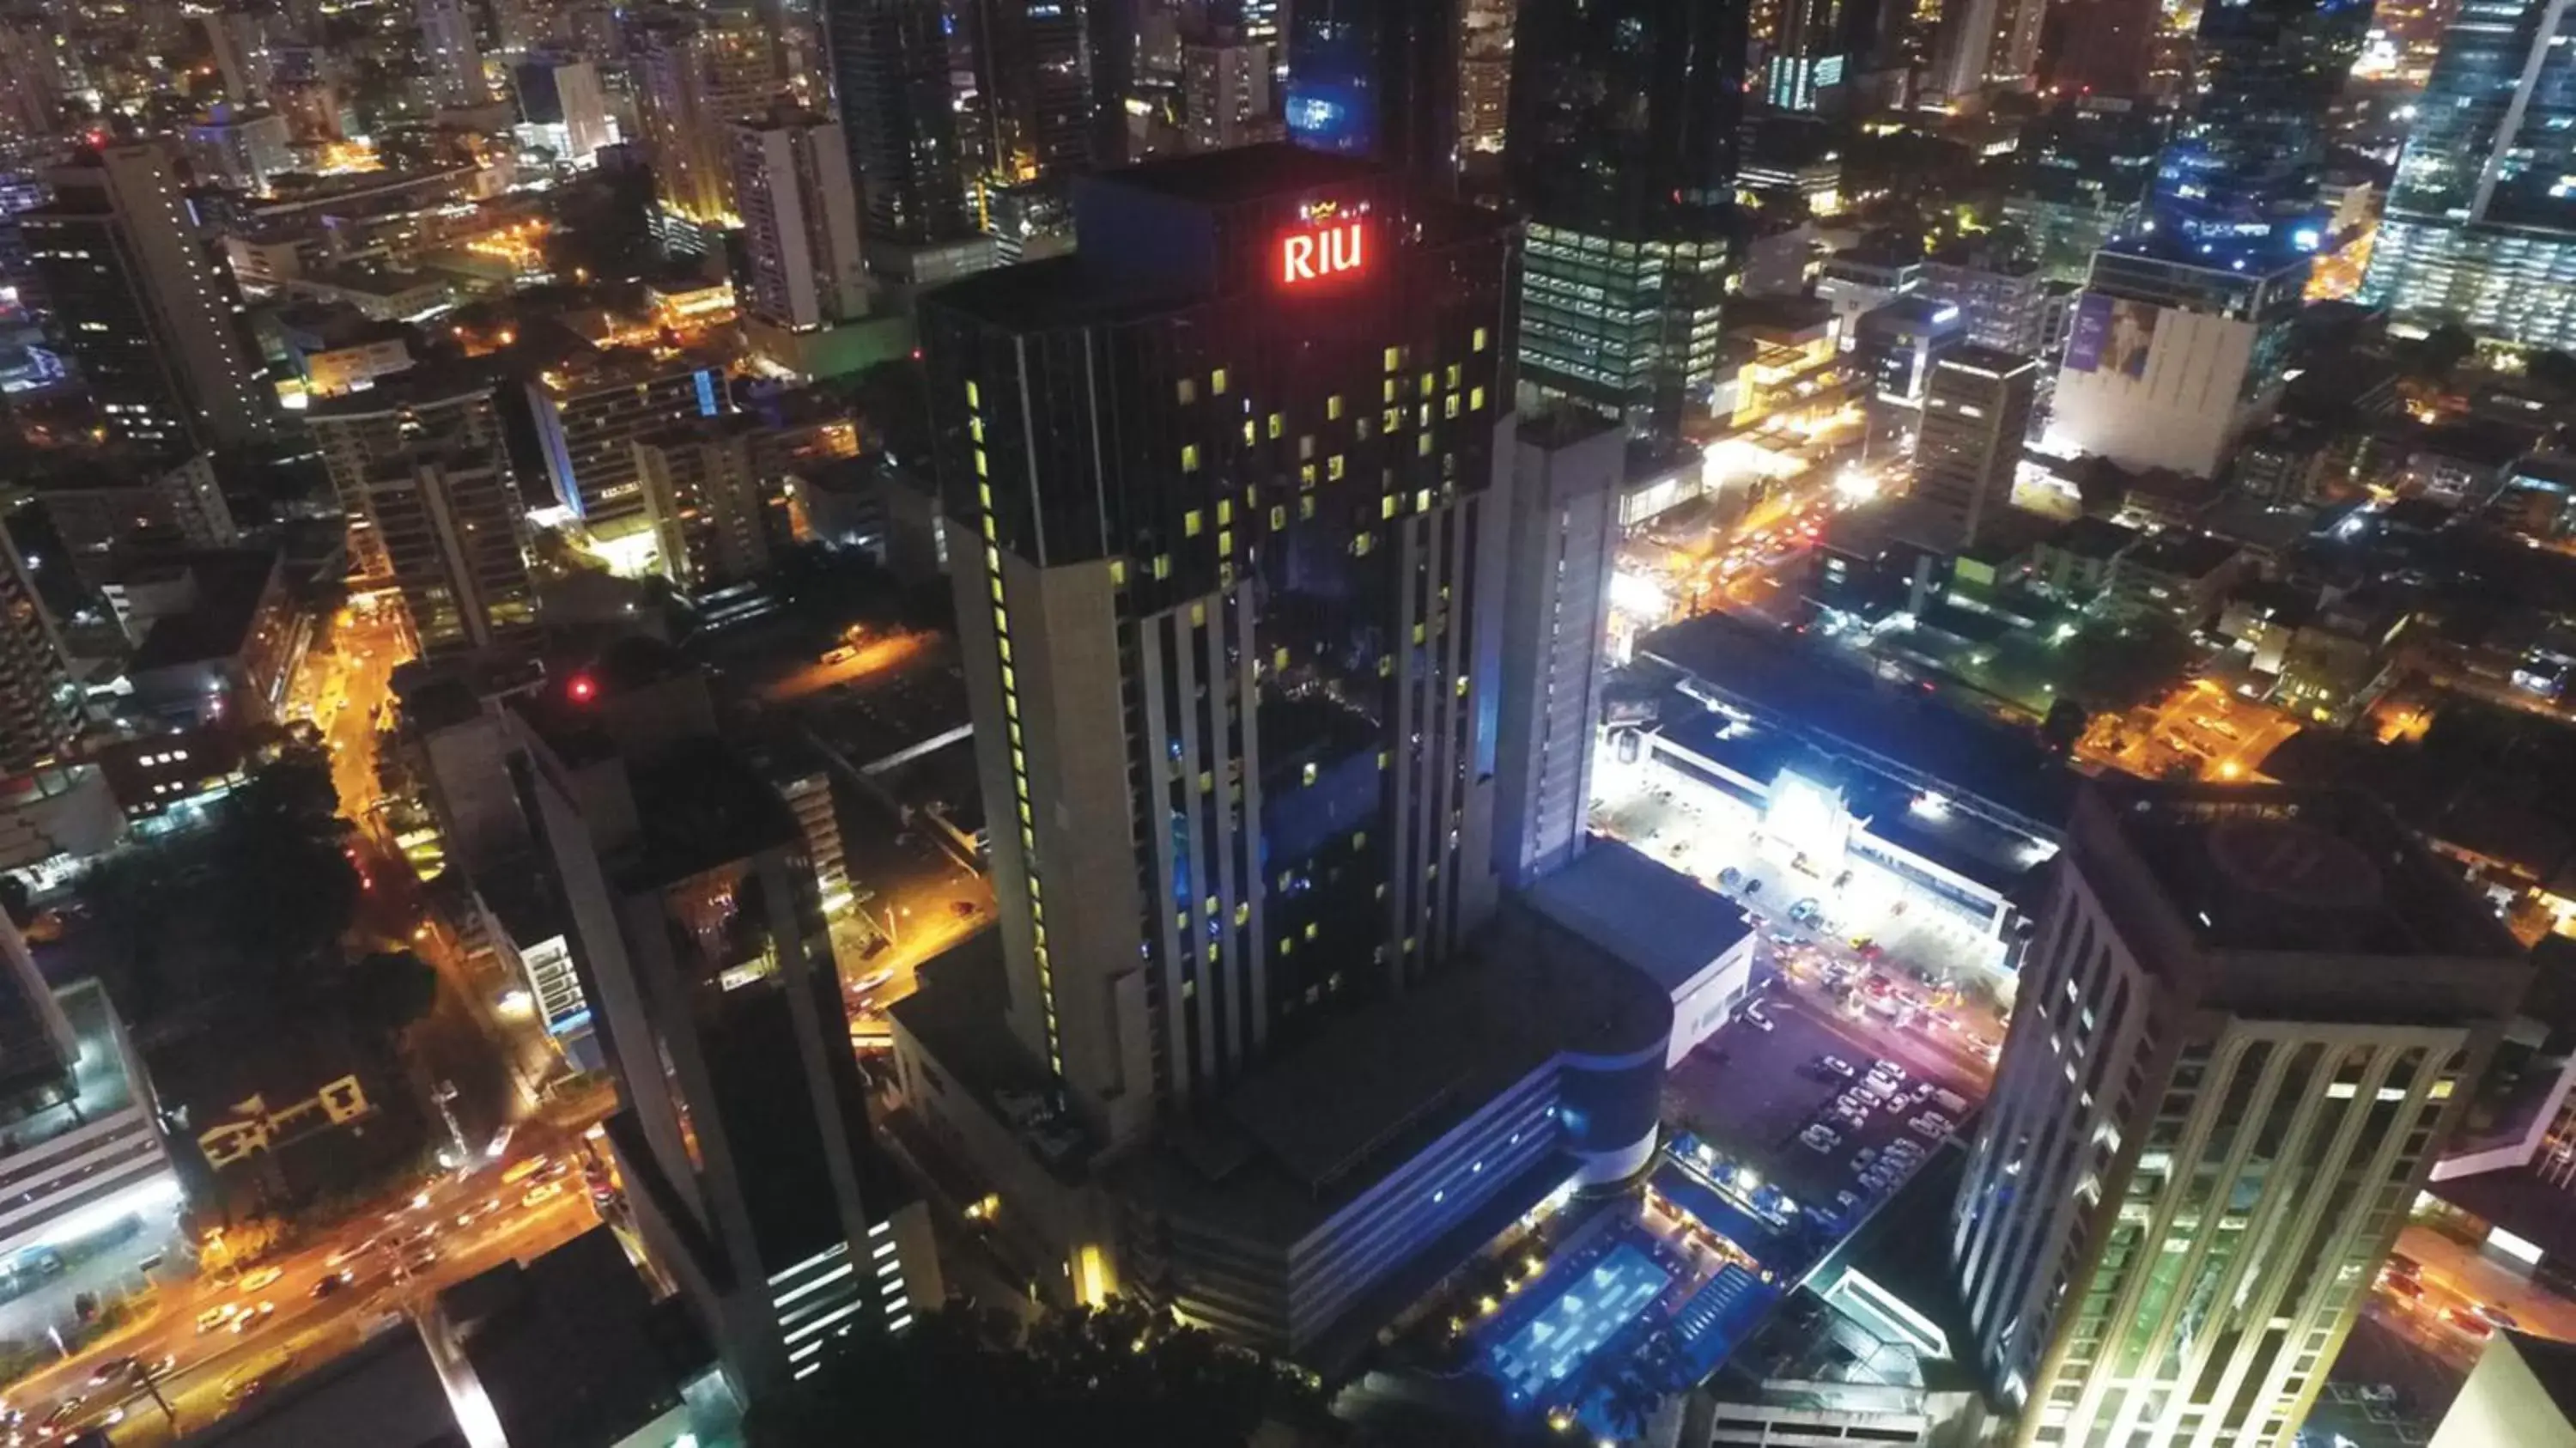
1329	250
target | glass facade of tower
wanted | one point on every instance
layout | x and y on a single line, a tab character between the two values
1622	152
2480	226
2239	176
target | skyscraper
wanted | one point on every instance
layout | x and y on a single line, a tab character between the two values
2179	341
1568	467
455	61
1622	153
2248	1019
693	80
1982	43
2480	226
1226	95
39	704
741	1132
589	414
1798	50
358	431
455	534
890	77
142	304
1379	79
703	488
1033	78
1224	498
1976	408
791	182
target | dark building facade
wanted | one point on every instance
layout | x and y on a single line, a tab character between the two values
2239	176
1377	79
1221	493
1622	153
890	75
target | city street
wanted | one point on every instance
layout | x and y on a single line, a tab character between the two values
302	1331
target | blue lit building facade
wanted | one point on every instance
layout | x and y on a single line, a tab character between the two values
1377	79
2480	227
1622	153
2240	174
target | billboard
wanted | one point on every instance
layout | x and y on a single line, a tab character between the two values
2112	334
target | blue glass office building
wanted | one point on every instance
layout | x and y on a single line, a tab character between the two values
2481	222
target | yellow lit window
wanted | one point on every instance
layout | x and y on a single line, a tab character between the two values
984	494
1162	565
1305	508
1187	390
1216	382
1243	913
1278	425
1278	515
1422	500
1335	466
1279	660
975	429
1418	632
974	398
1462	686
1310	930
1247	432
1224	541
1480	339
1452	375
1426	384
1310	771
997	590
1449	407
1190	523
1224	511
982	469
1361	545
1384	757
1394	418
1359	839
1386	506
1287	947
1118	573
1386	666
1394	360
1475	399
1387	393
1306	475
1010	680
1189	457
1198	615
1333	407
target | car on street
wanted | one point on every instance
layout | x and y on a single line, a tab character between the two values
2467	1323
1837	1066
421	1261
333	1282
2495	1316
251	1316
2406	1291
110	1370
541	1194
1754	1017
261	1278
216	1316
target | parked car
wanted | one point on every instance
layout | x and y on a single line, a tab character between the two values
1925	1126
1819	1138
1837	1066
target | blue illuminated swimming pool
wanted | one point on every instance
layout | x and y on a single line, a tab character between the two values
1590	1307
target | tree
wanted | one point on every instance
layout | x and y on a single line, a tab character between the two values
1118	1374
286	890
388	990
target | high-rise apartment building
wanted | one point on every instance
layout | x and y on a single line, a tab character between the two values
2480	226
2178	344
39	704
693	79
455	534
1976	410
792	184
450	54
1563	546
562	103
2003	298
1622	153
898	112
356	432
143	303
1229	607
707	489
1226	95
1798	51
1984	43
589	414
2248	1019
741	1133
1896	347
1379	79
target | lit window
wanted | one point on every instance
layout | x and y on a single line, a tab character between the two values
1189	457
1224	541
981	470
1162	565
1278	425
1224	511
974	398
1118	573
1386	506
1450	406
1247	432
1335	466
1198	615
1305	445
1475	399
1480	339
1216	382
1190	523
1452	375
1278	516
1187	390
1394	360
1333	407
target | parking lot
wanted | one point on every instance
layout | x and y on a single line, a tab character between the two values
1752	1092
